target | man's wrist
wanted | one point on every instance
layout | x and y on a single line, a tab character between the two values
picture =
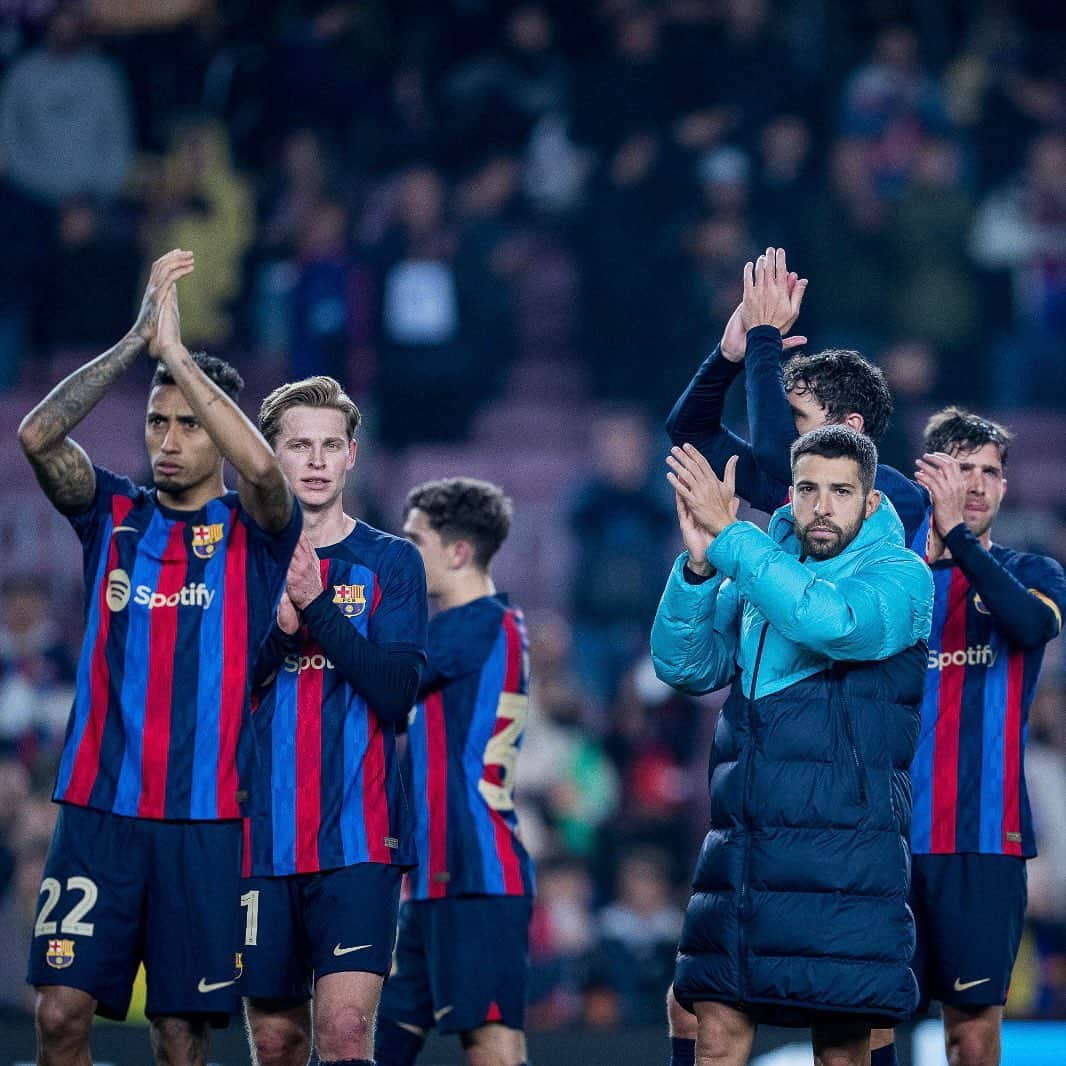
699	567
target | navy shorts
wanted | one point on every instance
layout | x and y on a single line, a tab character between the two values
461	963
303	926
968	910
120	891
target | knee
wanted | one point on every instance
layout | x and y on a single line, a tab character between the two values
344	1033
63	1016
973	1043
179	1040
280	1043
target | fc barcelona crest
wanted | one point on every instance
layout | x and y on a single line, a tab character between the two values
351	599
60	953
204	539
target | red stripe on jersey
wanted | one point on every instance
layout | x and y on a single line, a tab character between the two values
948	718
87	760
1012	748
494	1013
436	793
162	639
376	597
234	666
308	811
512	682
512	679
375	801
246	848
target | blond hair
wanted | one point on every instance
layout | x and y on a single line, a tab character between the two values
318	391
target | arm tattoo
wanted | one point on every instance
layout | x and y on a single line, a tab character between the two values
62	468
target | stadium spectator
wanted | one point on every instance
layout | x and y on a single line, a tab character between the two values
620	526
36	676
826	618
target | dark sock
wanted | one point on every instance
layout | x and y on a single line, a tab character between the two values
394	1045
682	1051
884	1056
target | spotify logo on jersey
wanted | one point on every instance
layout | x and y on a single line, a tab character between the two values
118	590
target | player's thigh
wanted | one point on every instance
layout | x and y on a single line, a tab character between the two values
350	917
193	929
682	1022
478	951
87	931
725	1033
276	961
974	907
407	998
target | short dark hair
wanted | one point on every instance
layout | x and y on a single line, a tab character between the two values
955	430
463	508
320	391
218	370
840	442
843	382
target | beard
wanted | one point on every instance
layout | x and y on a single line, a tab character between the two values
826	548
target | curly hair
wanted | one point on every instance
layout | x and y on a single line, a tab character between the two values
955	430
218	370
844	383
463	508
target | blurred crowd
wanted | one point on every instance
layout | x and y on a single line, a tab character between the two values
370	185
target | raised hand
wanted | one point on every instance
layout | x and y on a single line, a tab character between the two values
168	325
769	297
946	483
288	616
696	539
304	581
711	503
165	272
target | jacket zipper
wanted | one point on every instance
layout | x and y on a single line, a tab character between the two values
860	776
742	939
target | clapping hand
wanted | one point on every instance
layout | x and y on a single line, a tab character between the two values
942	476
769	297
734	338
304	582
705	505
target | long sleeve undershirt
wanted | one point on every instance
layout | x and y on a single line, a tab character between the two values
1025	620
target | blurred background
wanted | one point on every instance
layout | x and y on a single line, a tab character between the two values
513	231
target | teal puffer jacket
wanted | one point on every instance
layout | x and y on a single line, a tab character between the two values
799	901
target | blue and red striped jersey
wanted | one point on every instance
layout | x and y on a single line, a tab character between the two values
176	606
968	774
326	789
463	742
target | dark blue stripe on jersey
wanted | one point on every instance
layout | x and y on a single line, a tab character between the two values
993	721
204	798
353	826
283	771
417	760
482	725
971	729
79	716
922	766
135	680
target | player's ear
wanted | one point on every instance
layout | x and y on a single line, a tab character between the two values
873	501
462	553
353	449
855	421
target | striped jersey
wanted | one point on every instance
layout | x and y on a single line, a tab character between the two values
176	606
968	774
463	742
326	790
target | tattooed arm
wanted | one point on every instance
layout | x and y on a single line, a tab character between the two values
61	465
264	492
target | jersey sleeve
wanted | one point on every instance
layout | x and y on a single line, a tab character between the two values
401	617
459	643
1045	579
88	524
272	551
